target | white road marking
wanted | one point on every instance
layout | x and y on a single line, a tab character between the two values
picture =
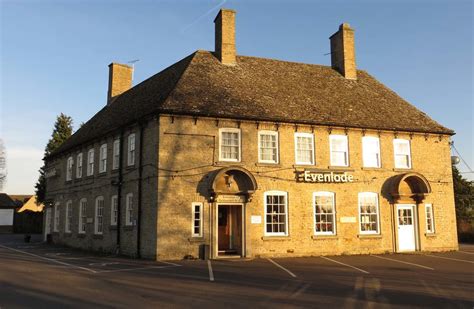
51	260
211	273
466	252
103	264
169	263
446	258
278	265
131	269
361	270
403	262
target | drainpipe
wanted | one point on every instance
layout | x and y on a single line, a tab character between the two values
119	191
139	198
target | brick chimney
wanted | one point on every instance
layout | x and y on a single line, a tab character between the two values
343	52
225	36
120	80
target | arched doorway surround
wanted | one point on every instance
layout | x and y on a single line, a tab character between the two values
233	180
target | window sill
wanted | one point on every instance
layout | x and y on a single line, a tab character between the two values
340	168
196	239
102	174
113	227
430	234
81	235
299	165
277	238
402	169
262	164
369	236
324	237
371	168
130	167
97	236
227	163
128	228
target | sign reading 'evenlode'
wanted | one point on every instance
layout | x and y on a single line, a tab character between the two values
308	176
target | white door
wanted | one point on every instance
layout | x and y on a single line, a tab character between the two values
47	222
406	227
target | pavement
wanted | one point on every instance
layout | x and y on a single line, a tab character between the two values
49	276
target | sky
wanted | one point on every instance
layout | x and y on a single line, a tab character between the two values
54	56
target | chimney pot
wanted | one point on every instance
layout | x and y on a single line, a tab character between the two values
343	51
120	80
225	36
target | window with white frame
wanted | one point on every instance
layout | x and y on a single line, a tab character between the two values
131	149
304	148
229	141
113	210
82	216
197	219
116	154
99	215
79	166
429	219
339	149
56	218
401	149
90	162
69	164
129	209
276	213
368	213
67	227
371	151
324	213
103	158
268	146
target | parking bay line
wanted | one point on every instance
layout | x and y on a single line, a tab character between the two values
48	259
279	266
361	270
211	273
466	252
403	262
446	258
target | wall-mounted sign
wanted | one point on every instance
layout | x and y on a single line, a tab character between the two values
230	199
50	173
310	176
256	219
348	220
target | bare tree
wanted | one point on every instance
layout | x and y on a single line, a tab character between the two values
3	165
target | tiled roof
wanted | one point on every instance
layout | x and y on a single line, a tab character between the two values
260	89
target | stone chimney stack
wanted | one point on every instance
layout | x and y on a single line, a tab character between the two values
225	36
343	52
120	80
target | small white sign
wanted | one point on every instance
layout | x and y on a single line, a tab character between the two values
256	219
348	219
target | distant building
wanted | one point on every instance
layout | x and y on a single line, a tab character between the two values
251	157
7	210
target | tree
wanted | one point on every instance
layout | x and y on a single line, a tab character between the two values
3	165
61	132
463	195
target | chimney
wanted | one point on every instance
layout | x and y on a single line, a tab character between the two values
120	80
343	51
225	36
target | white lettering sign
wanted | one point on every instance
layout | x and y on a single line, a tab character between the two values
256	219
348	219
308	176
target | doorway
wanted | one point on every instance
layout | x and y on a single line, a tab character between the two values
229	230
406	221
47	227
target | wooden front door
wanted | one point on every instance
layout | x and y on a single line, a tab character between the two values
229	229
223	228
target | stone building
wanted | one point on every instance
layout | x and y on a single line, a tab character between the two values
252	157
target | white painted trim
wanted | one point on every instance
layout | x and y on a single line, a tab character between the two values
96	215
90	162
334	222
69	168
433	227
414	222
302	134
128	217
115	154
81	216
103	158
280	193
273	133
378	213
200	219
67	224
131	149
112	221
230	130
56	217
79	162
334	137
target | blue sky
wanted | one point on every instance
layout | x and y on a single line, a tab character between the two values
54	56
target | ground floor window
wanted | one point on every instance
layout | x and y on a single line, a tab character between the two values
82	215
368	213
67	228
56	218
113	210
324	213
197	219
429	218
99	215
129	209
276	213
